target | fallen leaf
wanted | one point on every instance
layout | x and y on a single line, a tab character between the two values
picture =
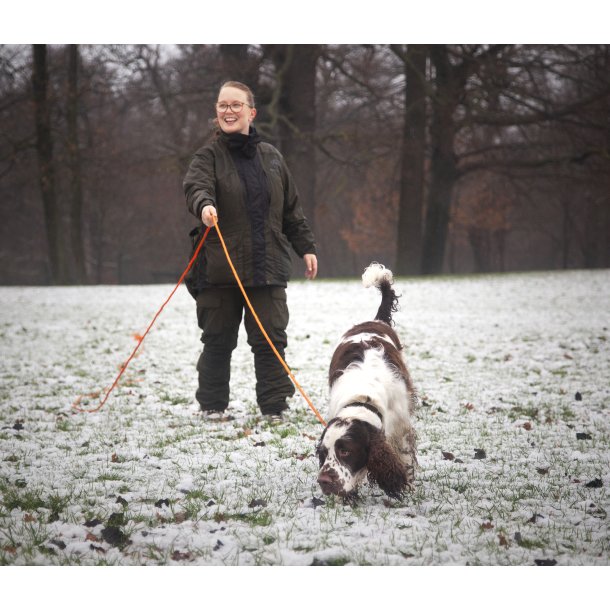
29	518
488	525
311	438
583	436
114	458
317	502
502	541
256	503
160	503
181	517
535	518
542	470
92	522
545	562
578	396
99	549
9	549
58	543
218	544
116	520
595	483
180	556
247	432
479	454
120	500
447	455
302	456
469	406
115	536
92	537
527	425
260	444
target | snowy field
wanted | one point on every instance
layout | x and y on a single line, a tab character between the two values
513	431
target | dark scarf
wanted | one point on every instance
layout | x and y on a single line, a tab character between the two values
242	149
240	142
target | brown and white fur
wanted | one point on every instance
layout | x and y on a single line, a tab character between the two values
369	431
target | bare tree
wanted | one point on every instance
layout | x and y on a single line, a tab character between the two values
74	162
46	173
293	114
412	168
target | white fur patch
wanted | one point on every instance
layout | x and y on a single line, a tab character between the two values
369	381
365	337
374	274
348	481
351	413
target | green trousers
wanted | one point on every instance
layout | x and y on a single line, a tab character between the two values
219	314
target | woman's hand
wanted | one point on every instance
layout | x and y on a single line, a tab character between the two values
207	215
311	266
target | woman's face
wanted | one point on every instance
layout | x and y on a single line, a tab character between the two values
229	120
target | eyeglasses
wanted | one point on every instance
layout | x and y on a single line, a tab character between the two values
234	106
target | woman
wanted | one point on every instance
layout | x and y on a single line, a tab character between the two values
246	184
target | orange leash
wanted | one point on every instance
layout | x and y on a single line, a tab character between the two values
277	354
76	403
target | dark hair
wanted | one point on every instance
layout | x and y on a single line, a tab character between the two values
237	85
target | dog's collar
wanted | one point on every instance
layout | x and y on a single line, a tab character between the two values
367	405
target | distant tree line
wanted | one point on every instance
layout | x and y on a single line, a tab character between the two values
428	158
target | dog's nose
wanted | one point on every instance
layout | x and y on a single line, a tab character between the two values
327	481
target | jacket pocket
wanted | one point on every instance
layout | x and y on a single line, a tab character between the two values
218	270
194	279
280	250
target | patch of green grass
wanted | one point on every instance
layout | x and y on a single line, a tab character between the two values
286	432
174	400
519	412
63	425
527	543
560	372
335	561
262	518
109	476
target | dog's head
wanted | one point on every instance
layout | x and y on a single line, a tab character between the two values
349	450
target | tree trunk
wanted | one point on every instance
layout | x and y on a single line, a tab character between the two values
410	207
236	64
76	199
480	241
443	164
46	175
296	117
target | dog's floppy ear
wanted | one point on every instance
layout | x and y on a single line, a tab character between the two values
385	468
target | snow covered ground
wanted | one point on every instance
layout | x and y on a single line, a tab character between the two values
513	431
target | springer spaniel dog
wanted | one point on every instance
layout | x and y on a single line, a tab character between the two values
372	399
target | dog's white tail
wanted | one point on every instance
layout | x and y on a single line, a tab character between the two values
380	277
375	274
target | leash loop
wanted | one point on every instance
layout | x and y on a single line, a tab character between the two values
76	403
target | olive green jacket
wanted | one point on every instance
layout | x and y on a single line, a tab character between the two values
213	179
